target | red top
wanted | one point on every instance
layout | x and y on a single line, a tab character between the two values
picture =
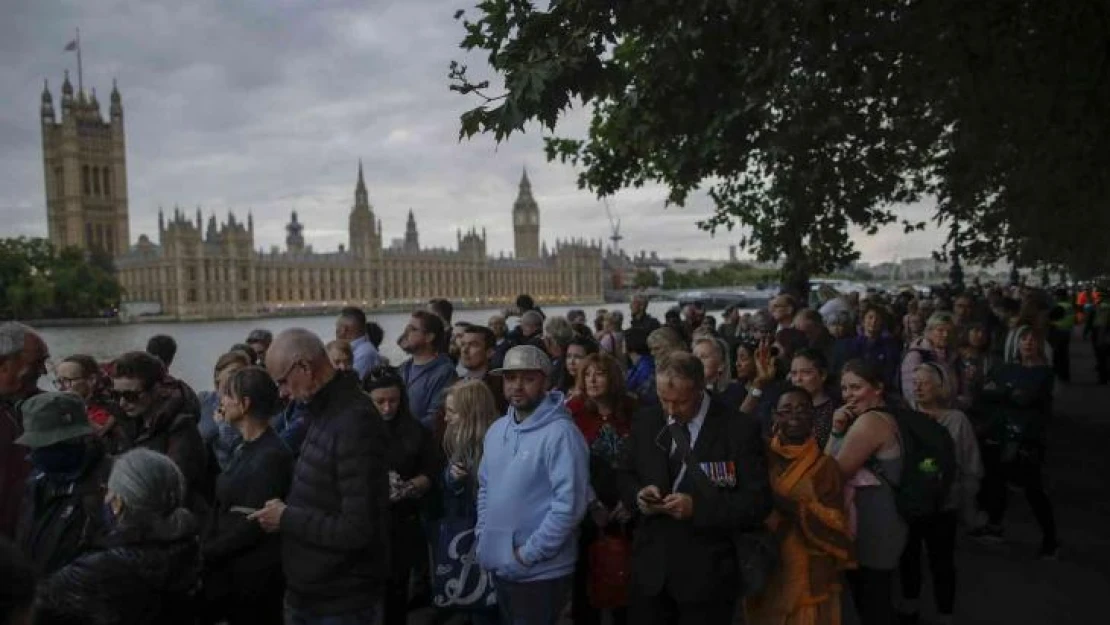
98	414
599	431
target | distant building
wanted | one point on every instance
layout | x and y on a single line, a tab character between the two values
927	268
701	265
526	222
197	271
85	171
217	273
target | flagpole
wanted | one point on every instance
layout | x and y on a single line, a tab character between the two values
80	80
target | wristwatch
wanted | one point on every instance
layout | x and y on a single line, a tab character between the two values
755	392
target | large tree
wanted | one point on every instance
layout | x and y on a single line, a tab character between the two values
36	281
781	111
803	118
1024	90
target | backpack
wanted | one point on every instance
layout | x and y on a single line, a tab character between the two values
65	518
928	464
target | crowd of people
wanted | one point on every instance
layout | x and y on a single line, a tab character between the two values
781	466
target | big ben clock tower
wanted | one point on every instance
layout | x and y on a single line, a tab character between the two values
526	221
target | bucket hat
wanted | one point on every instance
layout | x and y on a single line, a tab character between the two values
50	418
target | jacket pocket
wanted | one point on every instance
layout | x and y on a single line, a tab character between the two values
495	552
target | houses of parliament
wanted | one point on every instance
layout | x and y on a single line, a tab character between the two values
198	270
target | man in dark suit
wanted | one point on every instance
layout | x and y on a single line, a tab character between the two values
696	471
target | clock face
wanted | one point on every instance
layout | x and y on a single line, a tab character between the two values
529	218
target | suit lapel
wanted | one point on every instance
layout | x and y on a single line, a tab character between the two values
712	429
659	449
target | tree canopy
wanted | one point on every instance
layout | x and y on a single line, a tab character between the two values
804	118
645	279
731	274
38	282
1023	165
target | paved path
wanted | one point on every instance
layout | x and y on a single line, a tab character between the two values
1006	584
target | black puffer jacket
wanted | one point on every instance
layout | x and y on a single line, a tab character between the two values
137	577
335	526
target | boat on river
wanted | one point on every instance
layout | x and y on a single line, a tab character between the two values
719	299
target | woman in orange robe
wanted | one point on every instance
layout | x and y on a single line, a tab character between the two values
808	519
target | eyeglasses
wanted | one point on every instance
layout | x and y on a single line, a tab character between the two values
63	384
130	397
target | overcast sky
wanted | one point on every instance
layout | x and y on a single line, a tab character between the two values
267	105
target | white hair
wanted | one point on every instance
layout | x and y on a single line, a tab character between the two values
559	329
532	318
149	483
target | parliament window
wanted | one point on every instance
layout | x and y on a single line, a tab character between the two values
107	183
85	182
59	181
96	180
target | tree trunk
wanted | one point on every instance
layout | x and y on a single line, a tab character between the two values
795	277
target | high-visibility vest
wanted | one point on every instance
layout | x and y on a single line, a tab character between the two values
1067	322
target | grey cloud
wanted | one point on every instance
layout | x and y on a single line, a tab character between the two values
267	106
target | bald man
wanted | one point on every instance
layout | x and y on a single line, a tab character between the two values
23	357
332	526
35	355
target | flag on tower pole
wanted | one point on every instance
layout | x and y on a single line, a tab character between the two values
73	45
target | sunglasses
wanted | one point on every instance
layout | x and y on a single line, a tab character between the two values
127	396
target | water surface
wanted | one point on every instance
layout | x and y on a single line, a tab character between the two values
199	344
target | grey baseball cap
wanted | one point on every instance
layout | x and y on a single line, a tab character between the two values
525	358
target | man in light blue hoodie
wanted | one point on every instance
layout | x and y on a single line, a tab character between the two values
532	487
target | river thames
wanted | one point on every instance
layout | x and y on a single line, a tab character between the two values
199	344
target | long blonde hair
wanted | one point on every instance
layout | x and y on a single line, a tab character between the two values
477	410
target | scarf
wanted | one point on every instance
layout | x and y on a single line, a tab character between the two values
802	459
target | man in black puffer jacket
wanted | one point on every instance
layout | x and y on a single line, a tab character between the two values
334	526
